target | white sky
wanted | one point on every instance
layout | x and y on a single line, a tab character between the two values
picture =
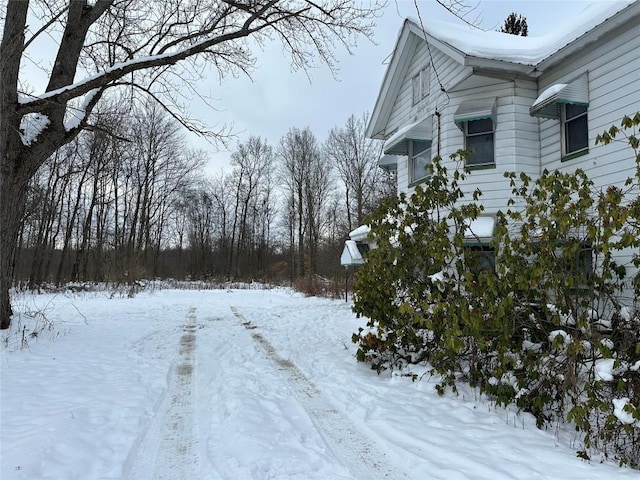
277	99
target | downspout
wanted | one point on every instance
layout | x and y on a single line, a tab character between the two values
438	116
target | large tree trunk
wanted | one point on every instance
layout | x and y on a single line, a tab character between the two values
13	188
13	175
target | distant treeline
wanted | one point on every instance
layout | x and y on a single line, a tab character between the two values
129	200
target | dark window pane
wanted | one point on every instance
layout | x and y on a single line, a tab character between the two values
480	126
577	135
480	259
482	146
574	110
362	247
420	146
586	261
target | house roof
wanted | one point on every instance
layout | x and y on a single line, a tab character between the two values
496	51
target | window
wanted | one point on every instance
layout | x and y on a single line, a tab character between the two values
480	258
478	137
420	85
419	158
580	267
574	129
363	248
415	89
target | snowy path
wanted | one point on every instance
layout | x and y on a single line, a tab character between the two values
363	458
169	448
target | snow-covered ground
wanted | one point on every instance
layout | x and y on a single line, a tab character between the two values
245	384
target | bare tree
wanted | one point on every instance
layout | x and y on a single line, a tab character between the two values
199	209
319	185
141	45
356	158
253	166
306	178
160	163
296	151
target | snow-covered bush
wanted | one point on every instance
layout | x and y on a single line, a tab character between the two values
552	329
404	281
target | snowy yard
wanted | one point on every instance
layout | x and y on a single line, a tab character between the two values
246	384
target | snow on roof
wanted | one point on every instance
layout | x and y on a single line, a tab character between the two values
360	233
548	93
523	50
479	228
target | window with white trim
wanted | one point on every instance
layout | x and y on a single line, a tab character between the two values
575	130
478	137
420	85
419	159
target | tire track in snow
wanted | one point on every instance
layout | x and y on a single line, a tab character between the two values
168	449
364	459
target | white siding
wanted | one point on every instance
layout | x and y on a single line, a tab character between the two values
613	69
404	112
515	137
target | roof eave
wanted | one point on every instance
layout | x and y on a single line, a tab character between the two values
500	68
377	121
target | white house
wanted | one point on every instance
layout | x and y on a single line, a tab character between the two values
523	104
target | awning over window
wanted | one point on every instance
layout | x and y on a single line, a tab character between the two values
475	110
360	234
547	105
350	254
479	230
388	162
398	143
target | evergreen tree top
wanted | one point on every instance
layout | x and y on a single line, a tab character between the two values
515	24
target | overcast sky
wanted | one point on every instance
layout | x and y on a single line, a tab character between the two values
276	99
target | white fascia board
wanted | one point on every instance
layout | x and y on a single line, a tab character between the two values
496	67
391	83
